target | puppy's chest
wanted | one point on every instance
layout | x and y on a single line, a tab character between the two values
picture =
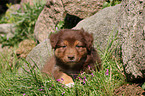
70	71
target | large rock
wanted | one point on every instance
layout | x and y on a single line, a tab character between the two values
56	10
101	25
48	18
132	27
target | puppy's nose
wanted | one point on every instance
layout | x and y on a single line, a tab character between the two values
71	57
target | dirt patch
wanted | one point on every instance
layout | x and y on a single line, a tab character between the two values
129	90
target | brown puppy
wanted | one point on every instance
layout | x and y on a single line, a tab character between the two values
73	52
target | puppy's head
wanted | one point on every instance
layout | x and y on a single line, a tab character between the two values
71	46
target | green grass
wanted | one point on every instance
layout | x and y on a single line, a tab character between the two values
100	83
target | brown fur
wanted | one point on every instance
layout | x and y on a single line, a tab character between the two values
73	52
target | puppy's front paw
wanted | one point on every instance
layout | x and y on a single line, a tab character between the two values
66	79
70	85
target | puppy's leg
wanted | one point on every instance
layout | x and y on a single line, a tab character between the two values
66	79
63	77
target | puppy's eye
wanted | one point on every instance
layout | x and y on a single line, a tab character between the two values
63	46
78	46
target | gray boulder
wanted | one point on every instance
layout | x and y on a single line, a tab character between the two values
101	25
132	27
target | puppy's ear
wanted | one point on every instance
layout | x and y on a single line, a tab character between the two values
54	37
88	39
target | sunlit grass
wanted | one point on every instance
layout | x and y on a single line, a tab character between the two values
100	83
